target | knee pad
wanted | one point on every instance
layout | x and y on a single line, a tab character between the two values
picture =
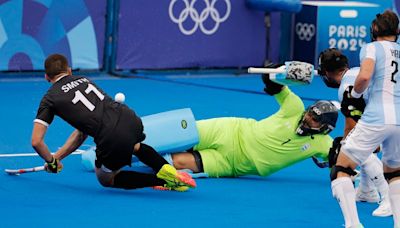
391	175
335	169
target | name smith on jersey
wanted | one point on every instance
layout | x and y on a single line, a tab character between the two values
70	85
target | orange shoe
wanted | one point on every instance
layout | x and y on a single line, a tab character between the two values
174	178
187	179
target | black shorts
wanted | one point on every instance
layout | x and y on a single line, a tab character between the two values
115	150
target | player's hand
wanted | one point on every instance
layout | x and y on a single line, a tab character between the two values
271	88
352	107
334	151
55	166
320	164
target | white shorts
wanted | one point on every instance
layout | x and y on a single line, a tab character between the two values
362	141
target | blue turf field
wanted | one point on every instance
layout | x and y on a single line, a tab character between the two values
297	196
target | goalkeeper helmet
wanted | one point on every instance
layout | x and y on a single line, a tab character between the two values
319	118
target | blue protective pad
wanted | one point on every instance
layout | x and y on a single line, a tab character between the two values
292	6
167	132
88	157
172	131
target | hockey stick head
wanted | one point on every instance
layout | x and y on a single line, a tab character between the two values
296	73
292	73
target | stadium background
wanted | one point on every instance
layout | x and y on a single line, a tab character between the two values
162	61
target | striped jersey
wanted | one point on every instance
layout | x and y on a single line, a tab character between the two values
383	106
348	80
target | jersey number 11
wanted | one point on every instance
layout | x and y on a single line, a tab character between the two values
80	97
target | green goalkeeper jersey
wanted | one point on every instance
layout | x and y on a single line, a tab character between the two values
238	146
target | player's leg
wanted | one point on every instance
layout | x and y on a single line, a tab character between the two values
356	149
113	153
131	130
126	179
208	162
391	161
366	190
374	169
188	160
149	156
165	171
216	146
393	176
343	189
110	160
208	137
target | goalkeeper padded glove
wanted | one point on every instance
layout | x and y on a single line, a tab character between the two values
271	88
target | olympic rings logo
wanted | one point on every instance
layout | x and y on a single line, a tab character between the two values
198	18
305	31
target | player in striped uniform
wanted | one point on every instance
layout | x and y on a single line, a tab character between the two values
333	68
380	122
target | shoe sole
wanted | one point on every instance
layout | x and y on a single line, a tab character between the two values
170	175
367	201
382	215
386	213
178	189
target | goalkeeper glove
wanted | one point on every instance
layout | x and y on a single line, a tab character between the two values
271	88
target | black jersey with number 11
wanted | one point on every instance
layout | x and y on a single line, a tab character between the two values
81	103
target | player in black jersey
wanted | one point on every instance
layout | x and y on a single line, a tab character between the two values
116	129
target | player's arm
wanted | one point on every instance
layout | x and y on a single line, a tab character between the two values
349	124
321	159
38	133
364	76
289	102
74	141
367	67
52	164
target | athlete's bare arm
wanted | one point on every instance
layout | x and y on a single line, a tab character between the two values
74	141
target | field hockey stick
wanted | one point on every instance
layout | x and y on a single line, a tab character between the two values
292	73
79	151
32	169
24	170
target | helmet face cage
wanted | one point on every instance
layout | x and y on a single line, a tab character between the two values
323	112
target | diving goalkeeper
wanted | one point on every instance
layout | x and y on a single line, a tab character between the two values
231	147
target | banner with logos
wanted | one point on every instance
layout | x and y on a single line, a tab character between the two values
167	34
31	30
341	25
